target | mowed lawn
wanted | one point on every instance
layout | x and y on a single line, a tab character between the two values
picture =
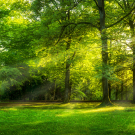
66	119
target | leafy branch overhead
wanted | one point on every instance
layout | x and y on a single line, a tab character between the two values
67	49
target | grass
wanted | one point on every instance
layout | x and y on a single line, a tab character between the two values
66	119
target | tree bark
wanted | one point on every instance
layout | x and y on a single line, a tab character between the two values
109	86
116	94
67	75
126	93
106	100
67	84
122	91
131	24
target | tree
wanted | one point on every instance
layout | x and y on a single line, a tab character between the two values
126	7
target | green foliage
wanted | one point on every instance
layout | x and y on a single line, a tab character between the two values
36	34
6	73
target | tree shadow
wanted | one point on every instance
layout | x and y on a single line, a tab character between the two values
37	105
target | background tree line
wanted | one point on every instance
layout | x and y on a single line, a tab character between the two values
67	49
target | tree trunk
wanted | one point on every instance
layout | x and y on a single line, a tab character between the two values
54	91
67	85
106	100
109	83
126	93
70	87
116	94
131	24
122	91
67	77
109	86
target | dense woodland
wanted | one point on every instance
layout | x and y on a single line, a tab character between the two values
63	50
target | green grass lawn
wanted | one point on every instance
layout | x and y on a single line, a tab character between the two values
66	119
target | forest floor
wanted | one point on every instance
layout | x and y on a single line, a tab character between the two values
40	118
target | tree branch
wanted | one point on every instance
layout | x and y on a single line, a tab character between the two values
133	4
120	19
66	25
120	5
128	4
125	3
89	24
97	4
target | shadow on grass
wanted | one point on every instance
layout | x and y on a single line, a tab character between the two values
45	105
49	105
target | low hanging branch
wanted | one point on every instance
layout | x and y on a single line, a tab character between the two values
97	5
120	19
66	25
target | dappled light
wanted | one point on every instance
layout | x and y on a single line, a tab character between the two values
84	111
9	109
105	109
49	105
131	127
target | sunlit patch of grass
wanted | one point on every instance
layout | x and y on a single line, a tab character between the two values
105	109
8	109
84	111
65	114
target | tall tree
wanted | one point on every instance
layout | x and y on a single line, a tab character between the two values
99	21
126	6
101	7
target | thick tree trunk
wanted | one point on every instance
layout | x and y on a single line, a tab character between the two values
67	75
67	84
106	100
131	24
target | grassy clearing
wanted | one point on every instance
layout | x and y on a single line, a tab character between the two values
66	119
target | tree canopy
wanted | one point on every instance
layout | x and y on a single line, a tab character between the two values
71	49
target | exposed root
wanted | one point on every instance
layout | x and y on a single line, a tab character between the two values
105	104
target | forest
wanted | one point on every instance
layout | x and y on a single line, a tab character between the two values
67	50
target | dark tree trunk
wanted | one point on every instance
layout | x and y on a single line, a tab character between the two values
116	93
122	91
67	84
67	75
70	87
126	93
131	24
109	83
106	100
109	86
54	91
